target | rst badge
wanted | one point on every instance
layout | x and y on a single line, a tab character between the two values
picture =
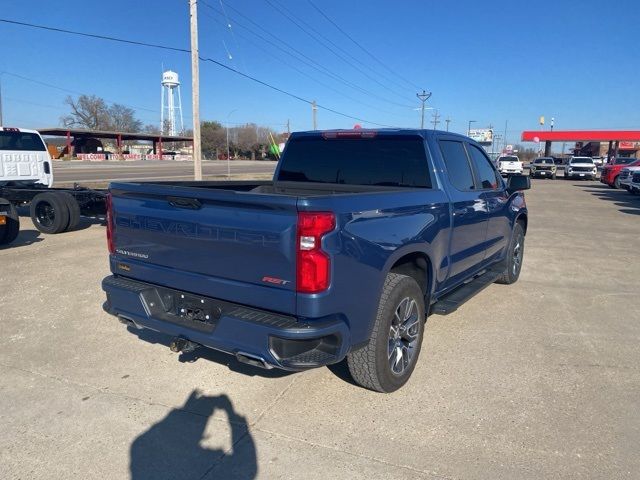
275	281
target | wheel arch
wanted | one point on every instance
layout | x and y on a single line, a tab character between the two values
416	264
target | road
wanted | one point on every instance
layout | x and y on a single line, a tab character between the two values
99	172
536	380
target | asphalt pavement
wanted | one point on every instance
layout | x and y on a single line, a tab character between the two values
540	379
66	173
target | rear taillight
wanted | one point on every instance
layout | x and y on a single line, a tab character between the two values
313	264
110	240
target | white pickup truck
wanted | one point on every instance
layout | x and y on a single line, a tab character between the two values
24	158
26	178
625	177
509	165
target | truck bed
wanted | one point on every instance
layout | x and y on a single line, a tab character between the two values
305	189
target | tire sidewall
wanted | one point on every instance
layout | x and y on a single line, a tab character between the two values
407	287
518	234
62	213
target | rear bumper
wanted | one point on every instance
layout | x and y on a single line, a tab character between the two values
279	340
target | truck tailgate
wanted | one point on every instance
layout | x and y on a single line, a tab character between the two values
235	246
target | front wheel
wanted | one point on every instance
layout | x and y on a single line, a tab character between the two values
616	182
388	360
515	255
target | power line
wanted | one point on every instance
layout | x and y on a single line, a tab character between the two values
302	72
202	59
93	35
75	92
301	56
297	22
408	82
292	17
233	35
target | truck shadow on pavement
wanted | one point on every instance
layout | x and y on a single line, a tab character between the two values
172	448
209	354
629	204
24	239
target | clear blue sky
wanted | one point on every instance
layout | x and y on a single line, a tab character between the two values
487	61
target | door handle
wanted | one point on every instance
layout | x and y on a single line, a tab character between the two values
458	212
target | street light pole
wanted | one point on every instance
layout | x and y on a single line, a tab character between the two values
424	96
228	151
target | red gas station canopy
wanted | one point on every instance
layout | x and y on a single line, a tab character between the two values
580	135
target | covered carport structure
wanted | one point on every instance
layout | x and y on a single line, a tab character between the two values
616	138
157	140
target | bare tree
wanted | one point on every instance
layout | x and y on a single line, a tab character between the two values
89	112
93	113
122	119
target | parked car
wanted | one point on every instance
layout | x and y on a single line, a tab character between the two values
635	183
580	167
598	161
625	176
509	164
360	235
543	167
611	171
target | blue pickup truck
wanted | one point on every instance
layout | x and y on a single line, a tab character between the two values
360	235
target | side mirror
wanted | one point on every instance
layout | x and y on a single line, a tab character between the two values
516	183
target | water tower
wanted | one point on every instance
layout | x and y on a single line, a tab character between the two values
170	104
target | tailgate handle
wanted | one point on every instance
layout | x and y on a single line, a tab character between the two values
190	203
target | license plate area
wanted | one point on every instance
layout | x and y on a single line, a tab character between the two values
182	308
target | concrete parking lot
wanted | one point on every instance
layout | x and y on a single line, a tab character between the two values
536	380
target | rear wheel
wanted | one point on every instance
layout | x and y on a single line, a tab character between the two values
74	210
515	255
49	212
10	230
616	182
388	360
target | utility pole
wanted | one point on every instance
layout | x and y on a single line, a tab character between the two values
1	99
314	111
288	128
504	138
447	121
435	120
424	96
195	91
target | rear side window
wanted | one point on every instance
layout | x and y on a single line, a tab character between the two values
458	167
21	141
394	160
487	176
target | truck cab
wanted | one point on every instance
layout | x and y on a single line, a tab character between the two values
24	158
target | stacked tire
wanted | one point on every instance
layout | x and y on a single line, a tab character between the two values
11	226
55	212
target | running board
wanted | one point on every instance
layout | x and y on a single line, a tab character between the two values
451	301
